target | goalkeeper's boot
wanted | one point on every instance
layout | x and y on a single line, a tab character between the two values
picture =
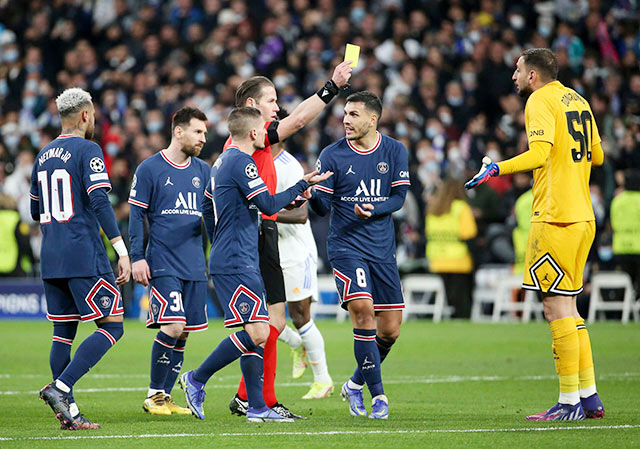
175	408
238	406
560	412
356	402
59	401
299	365
156	405
266	415
83	423
379	407
319	390
592	406
194	393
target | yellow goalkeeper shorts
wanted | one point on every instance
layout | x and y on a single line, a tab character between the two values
556	255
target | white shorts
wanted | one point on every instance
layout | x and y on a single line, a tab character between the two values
301	280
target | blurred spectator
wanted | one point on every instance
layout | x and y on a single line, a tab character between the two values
449	225
625	223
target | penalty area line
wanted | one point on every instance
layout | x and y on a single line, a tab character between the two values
328	433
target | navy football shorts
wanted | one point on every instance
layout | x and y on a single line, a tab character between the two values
86	299
363	279
173	300
242	297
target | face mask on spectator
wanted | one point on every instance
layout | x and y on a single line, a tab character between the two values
281	81
474	36
34	68
31	85
468	78
445	118
4	88
455	101
516	21
432	131
12	141
11	55
357	14
35	142
155	126
29	102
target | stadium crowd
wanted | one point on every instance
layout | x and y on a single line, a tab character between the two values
442	68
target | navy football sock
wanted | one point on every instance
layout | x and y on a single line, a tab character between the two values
252	366
161	354
91	351
383	348
368	359
60	355
227	351
176	365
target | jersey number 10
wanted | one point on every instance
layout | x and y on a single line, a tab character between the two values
61	205
583	138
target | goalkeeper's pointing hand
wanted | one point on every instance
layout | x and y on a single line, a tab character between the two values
489	170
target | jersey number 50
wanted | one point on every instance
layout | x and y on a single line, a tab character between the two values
584	139
61	207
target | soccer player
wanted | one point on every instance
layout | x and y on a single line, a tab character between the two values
260	92
563	145
370	183
168	189
68	194
299	262
231	218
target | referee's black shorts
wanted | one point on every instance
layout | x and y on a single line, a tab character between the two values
270	262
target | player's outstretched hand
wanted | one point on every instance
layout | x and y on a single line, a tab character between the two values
342	73
124	270
141	272
314	178
362	212
489	169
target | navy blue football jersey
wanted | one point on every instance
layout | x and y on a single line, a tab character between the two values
377	175
237	192
171	195
64	173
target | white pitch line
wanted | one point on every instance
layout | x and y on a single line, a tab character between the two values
392	381
328	433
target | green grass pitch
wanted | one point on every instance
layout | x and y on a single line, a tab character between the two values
453	384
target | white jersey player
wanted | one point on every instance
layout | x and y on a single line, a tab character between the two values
299	262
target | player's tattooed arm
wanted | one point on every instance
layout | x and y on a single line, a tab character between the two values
295	215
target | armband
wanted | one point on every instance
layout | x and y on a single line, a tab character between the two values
121	248
328	91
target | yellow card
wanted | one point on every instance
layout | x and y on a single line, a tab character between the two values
352	53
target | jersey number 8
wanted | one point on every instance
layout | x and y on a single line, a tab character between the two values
61	207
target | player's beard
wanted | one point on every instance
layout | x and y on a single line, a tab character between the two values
191	150
525	91
89	132
359	135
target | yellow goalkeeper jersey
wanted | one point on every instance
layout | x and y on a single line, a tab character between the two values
559	115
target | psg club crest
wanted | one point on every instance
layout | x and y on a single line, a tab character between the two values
251	171
154	309
104	302
243	307
383	167
96	164
196	182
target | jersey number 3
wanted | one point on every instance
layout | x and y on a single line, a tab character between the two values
57	202
584	138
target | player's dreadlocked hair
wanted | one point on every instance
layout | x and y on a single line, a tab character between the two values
544	62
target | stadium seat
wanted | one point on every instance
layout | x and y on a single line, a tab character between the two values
418	289
612	280
327	292
484	292
505	301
